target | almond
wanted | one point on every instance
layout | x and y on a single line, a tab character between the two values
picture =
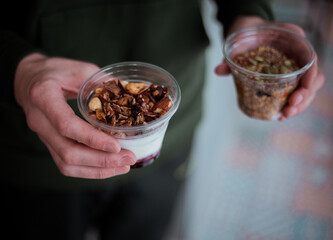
95	103
163	105
136	88
123	83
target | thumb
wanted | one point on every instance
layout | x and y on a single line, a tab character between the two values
222	69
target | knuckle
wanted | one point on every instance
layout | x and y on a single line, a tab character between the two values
64	170
113	162
104	162
63	126
35	92
66	156
101	174
31	121
92	66
93	141
108	161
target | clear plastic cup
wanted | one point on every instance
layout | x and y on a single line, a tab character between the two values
262	96
145	141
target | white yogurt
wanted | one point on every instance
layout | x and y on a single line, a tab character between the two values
145	145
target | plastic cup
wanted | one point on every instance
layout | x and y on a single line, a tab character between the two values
262	96
145	141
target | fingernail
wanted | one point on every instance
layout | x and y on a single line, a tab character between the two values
282	118
298	100
292	112
126	160
122	170
108	147
219	69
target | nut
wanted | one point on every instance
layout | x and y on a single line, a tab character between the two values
95	103
100	115
123	83
163	105
99	90
123	101
113	87
136	88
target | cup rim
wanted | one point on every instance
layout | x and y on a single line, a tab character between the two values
146	126
250	30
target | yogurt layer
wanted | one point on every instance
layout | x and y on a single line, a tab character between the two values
145	145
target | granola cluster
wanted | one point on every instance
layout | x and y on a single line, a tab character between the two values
260	97
122	103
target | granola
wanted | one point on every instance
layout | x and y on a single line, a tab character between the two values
122	103
258	96
266	60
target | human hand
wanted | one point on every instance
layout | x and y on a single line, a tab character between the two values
41	87
310	82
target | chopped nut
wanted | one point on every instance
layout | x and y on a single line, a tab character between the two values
93	115
123	83
122	117
163	105
99	90
113	87
155	93
100	115
158	110
108	109
136	88
123	101
151	105
95	103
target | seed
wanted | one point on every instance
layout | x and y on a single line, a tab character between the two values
252	61
287	63
259	59
284	69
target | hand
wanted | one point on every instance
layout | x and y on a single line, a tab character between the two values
41	86
310	82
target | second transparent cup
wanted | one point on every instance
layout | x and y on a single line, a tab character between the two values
261	95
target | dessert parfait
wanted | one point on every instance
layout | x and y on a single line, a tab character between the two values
261	98
132	102
266	63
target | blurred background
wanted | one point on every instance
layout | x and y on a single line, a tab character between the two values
259	180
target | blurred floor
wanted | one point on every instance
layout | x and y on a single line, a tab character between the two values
259	180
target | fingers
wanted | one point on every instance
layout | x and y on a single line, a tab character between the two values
308	79
78	149
299	100
222	69
85	171
291	110
49	99
74	153
77	160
